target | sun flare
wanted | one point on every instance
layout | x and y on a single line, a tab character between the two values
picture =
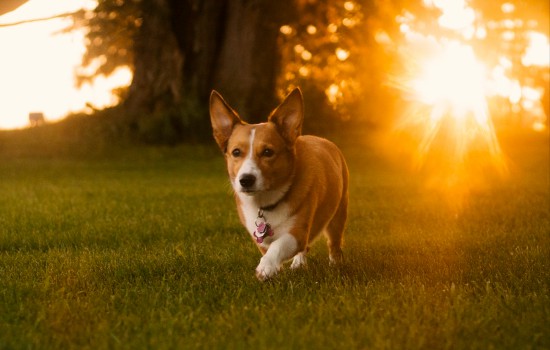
453	77
453	92
448	92
457	91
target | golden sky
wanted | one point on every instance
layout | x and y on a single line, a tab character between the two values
37	65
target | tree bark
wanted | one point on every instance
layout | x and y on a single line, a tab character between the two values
199	26
186	48
249	60
157	82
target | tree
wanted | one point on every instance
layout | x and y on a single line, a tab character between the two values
181	49
252	51
341	52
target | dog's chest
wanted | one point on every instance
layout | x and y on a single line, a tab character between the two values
278	219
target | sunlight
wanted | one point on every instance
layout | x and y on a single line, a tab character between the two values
457	102
449	87
342	54
538	50
441	82
333	93
455	14
38	63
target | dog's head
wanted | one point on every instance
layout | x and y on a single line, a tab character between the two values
260	157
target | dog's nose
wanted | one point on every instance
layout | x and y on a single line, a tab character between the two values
247	180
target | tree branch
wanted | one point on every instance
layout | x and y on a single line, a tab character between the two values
39	19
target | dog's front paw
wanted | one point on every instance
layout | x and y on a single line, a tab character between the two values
266	270
299	261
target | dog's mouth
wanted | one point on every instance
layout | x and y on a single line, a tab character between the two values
249	191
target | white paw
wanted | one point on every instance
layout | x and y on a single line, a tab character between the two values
299	261
336	260
266	270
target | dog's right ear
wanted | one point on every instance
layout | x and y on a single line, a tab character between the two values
223	119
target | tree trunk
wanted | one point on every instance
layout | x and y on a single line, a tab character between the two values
199	27
249	61
186	48
157	82
231	46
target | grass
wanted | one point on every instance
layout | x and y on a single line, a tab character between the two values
141	248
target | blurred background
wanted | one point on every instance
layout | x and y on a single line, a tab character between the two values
144	69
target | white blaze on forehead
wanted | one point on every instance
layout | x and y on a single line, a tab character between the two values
251	143
249	165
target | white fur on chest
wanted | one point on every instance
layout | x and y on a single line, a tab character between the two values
277	218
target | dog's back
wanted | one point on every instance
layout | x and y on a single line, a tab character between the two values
320	189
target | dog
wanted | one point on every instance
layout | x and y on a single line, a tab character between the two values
288	188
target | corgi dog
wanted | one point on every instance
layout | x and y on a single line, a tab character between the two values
288	188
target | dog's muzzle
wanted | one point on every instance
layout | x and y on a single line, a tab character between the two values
247	182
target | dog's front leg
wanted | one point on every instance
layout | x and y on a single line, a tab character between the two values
280	250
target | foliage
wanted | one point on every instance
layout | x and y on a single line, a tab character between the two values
110	32
347	55
185	122
332	47
142	249
508	37
341	48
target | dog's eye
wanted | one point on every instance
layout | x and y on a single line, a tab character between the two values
268	152
236	152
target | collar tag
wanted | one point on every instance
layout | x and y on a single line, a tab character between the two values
263	229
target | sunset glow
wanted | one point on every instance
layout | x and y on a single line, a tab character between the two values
450	88
38	63
450	70
441	82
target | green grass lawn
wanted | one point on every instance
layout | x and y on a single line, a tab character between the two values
142	248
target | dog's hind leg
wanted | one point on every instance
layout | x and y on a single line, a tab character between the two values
335	232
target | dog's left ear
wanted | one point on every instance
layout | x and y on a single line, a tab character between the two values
289	116
223	119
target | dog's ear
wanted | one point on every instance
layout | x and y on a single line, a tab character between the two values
289	116
223	119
